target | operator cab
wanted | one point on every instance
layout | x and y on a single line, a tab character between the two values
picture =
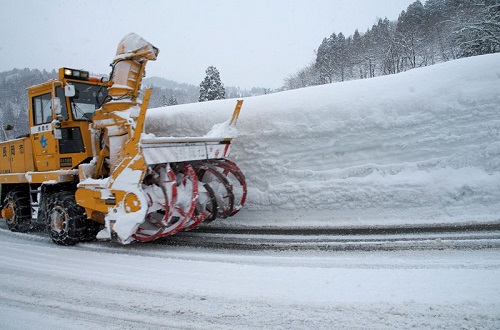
61	112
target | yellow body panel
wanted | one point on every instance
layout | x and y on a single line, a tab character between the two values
45	150
48	156
13	178
16	156
39	177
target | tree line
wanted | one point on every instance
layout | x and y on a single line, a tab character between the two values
14	99
440	30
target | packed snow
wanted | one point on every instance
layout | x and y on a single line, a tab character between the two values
148	286
418	147
421	147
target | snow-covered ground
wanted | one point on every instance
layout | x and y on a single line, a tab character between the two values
148	286
417	147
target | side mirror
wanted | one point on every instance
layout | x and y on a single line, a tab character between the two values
69	90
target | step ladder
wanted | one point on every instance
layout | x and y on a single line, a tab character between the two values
35	206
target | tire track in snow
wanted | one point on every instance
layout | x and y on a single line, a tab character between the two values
151	286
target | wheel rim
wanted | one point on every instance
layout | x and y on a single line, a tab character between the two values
11	212
58	219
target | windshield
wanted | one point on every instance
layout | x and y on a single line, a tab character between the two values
87	99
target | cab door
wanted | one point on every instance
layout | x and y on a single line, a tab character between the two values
45	146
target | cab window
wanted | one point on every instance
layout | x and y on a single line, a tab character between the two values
42	112
87	99
42	107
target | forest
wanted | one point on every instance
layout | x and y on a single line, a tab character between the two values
424	34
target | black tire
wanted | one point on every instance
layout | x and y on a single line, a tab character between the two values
65	219
19	203
42	209
92	228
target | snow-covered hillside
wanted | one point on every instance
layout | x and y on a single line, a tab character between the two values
417	147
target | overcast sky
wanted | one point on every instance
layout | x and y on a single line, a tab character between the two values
251	42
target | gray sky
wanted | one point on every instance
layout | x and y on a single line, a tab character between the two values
251	42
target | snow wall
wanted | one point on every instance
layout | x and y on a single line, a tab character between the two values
421	146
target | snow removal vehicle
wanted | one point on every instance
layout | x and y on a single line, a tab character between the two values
87	169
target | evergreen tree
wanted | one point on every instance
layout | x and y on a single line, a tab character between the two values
326	59
172	100
358	56
211	88
164	101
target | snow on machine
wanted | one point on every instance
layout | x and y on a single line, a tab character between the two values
87	168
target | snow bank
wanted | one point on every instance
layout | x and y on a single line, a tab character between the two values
420	146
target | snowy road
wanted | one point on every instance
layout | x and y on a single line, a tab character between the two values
102	285
390	238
